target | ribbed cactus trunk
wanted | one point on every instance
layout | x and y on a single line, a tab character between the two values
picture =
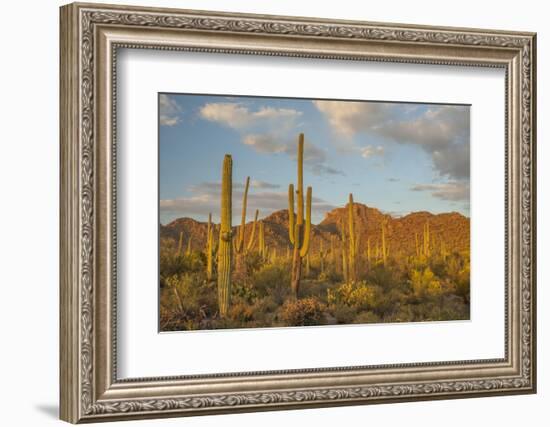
427	239
345	261
368	250
384	247
241	248
209	247
225	240
345	271
188	252
352	271
322	255
261	242
417	249
298	230
180	244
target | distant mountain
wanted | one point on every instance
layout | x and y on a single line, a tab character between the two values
450	229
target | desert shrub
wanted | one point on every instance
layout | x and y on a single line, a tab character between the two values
401	312
366	317
385	303
186	301
384	276
264	312
241	312
172	264
358	295
302	312
244	292
314	288
344	314
330	275
425	283
458	272
274	281
453	308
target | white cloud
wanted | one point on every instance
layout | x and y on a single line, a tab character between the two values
370	151
268	130
348	118
314	157
169	111
441	131
450	191
238	116
264	143
263	185
205	199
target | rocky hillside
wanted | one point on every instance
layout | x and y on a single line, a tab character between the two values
450	229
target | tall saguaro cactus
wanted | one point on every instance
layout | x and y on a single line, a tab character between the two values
298	231
209	247
345	263
262	249
189	248
384	247
225	242
352	252
368	250
241	249
180	244
426	242
333	250
322	256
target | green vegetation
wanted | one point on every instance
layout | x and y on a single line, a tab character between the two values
408	289
237	283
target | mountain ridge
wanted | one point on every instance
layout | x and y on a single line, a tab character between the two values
449	230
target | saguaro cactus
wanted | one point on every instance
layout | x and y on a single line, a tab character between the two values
369	254
443	250
262	249
298	232
241	249
209	247
427	239
224	246
345	263
333	249
352	252
322	255
239	242
384	247
180	244
188	252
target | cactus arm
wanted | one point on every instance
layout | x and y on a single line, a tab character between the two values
352	240
307	231
208	227
253	233
300	188
291	213
240	238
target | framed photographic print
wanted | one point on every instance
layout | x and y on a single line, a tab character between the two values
265	212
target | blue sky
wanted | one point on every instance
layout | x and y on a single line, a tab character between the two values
396	157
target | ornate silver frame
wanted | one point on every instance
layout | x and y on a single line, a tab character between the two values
90	36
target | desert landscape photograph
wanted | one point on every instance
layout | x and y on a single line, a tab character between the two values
284	212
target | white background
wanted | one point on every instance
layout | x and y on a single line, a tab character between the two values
29	171
141	347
